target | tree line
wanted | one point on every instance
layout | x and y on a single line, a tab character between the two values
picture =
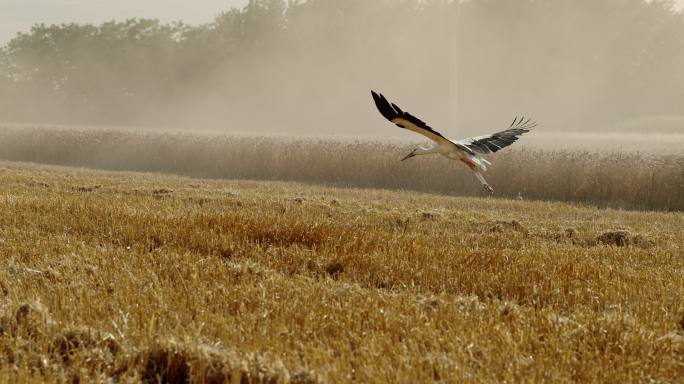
274	64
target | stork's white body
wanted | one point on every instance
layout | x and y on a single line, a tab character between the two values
452	150
470	151
455	153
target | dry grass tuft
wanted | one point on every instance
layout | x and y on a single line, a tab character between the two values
73	353
620	238
623	238
674	340
304	377
334	269
27	321
507	225
90	188
31	340
162	191
571	233
170	365
86	347
172	362
429	216
38	183
642	241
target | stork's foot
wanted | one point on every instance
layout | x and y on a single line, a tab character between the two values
488	188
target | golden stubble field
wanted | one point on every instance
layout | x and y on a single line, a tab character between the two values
128	277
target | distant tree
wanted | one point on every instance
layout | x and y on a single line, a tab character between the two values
565	61
103	70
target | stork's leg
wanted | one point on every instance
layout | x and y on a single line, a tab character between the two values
473	167
486	185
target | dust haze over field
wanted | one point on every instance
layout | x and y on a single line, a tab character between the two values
307	68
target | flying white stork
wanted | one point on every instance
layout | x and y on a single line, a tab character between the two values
470	150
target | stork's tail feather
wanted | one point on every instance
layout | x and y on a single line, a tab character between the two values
480	163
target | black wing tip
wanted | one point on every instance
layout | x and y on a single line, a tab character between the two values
392	111
500	140
376	96
383	106
522	124
396	108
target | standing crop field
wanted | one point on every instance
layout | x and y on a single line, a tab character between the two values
129	277
630	180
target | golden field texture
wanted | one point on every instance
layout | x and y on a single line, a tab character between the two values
628	180
140	277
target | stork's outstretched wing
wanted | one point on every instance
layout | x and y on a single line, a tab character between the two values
491	143
402	119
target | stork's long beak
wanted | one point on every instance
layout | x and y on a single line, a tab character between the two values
410	155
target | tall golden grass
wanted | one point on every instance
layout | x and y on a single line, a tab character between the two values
123	277
621	180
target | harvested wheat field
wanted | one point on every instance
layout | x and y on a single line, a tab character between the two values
129	277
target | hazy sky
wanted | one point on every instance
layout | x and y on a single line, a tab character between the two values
19	15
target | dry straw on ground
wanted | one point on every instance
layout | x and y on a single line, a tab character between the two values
222	281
